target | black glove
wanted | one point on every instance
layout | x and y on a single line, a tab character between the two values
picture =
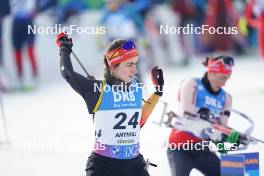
157	79
63	41
204	113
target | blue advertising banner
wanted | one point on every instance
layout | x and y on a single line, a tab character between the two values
242	164
251	163
232	165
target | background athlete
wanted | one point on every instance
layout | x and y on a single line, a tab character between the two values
197	97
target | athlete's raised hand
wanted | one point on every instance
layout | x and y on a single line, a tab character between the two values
63	41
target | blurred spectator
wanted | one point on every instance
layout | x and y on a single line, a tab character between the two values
94	4
141	6
223	14
244	10
259	12
23	12
4	10
69	8
187	13
121	21
46	4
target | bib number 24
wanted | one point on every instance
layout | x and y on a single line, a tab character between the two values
123	116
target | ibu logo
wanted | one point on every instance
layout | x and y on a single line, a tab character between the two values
123	96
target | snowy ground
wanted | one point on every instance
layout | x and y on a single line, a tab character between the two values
51	132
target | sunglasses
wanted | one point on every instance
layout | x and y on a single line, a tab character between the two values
228	60
127	45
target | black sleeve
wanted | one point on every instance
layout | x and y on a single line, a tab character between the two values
87	88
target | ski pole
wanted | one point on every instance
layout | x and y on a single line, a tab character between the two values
163	112
79	62
165	106
75	56
4	120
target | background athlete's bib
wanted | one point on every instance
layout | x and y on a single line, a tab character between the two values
215	103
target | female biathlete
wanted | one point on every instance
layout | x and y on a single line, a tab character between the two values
201	96
118	112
